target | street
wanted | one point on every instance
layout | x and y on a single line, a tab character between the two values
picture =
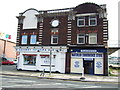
10	81
33	82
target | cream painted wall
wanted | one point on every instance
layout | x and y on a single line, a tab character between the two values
30	20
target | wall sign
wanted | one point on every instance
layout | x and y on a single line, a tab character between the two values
98	64
76	64
88	50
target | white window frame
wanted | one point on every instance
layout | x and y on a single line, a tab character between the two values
92	35
92	18
80	19
33	38
52	37
78	36
22	40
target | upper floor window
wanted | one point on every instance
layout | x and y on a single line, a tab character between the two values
81	38
92	20
24	39
92	38
54	39
81	21
33	39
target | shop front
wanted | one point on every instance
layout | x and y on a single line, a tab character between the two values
87	61
40	58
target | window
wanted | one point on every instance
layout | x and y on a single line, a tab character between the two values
24	39
54	39
33	39
92	21
80	38
29	59
92	38
81	21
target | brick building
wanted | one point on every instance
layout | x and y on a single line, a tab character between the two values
7	49
69	40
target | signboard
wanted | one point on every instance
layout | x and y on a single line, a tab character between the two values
76	65
89	50
98	66
42	50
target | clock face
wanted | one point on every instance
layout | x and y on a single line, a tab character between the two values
55	23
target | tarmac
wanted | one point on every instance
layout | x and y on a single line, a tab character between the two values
59	76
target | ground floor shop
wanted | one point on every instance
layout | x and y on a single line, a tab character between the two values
91	61
42	58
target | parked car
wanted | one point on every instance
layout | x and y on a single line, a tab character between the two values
5	61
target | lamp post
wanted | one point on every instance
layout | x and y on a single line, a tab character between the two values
50	59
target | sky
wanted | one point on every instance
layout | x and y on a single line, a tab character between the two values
11	8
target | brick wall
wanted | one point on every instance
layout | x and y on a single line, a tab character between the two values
10	51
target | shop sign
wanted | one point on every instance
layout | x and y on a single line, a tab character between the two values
87	55
89	59
43	50
88	50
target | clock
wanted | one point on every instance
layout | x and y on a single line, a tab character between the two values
55	23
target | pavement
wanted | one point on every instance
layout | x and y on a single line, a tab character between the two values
59	76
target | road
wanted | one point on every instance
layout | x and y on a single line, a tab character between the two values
33	82
8	81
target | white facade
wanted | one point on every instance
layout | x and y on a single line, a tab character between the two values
42	57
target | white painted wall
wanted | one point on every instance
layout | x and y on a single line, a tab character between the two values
30	20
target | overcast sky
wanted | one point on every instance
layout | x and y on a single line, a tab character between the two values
11	8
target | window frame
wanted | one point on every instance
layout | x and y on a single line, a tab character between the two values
91	18
92	37
78	20
52	37
24	38
31	38
80	37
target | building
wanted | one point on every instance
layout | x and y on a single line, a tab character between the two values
70	40
7	49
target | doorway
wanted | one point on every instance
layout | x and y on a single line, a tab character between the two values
88	67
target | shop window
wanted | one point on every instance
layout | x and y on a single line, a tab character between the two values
81	39
29	59
33	39
92	38
24	39
80	21
54	39
92	21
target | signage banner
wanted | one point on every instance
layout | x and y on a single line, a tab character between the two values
76	65
98	66
89	50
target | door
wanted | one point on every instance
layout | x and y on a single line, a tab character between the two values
88	67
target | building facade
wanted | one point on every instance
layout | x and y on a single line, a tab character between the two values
7	49
70	40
